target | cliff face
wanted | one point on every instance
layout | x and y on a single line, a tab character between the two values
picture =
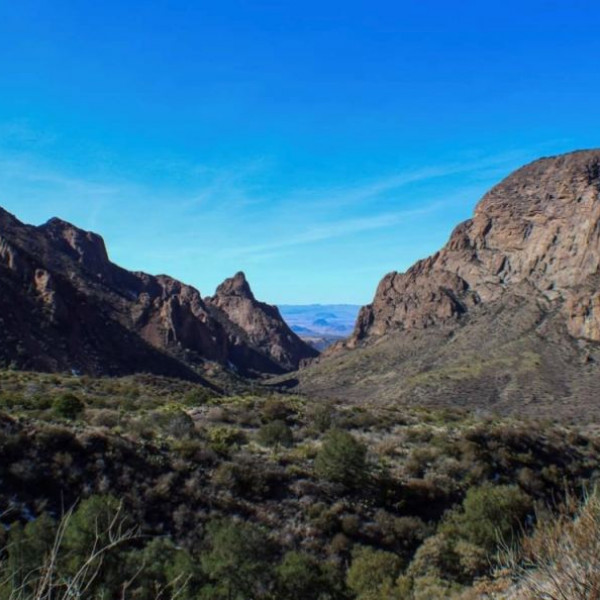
537	232
66	306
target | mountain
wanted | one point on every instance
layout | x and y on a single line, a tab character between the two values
256	325
505	316
321	319
65	306
321	325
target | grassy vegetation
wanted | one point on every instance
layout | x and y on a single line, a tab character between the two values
265	495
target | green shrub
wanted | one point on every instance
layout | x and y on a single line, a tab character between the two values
177	423
223	439
25	553
322	417
275	410
489	514
166	567
301	576
237	561
373	573
342	459
68	406
198	396
275	433
436	557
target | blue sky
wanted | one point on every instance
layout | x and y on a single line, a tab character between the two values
314	145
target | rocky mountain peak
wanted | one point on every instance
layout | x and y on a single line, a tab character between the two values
86	247
505	317
236	286
259	323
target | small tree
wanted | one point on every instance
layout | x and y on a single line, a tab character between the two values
490	514
26	551
237	560
77	557
342	459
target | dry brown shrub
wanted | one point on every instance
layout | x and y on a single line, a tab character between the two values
561	559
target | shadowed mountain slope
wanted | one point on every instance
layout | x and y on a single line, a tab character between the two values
65	306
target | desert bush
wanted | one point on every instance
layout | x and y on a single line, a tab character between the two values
237	561
168	572
322	417
436	557
420	460
350	524
228	476
68	406
342	459
404	534
223	439
198	396
275	409
324	518
433	588
275	433
77	557
27	546
357	418
373	573
178	424
103	417
300	575
195	450
560	560
490	514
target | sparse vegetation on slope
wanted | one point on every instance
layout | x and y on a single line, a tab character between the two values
321	494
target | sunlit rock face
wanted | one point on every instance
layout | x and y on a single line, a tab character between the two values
535	233
259	323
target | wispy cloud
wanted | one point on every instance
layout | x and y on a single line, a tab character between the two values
360	191
19	133
224	208
326	231
27	171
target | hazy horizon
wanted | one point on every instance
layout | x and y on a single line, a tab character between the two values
314	146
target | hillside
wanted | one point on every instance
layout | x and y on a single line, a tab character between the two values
504	317
264	496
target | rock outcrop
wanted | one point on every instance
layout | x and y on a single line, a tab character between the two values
538	230
66	306
257	325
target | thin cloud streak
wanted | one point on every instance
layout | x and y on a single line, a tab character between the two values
28	171
344	196
323	232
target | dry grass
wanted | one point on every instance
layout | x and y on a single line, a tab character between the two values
561	559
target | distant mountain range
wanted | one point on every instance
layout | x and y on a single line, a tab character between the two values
320	324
